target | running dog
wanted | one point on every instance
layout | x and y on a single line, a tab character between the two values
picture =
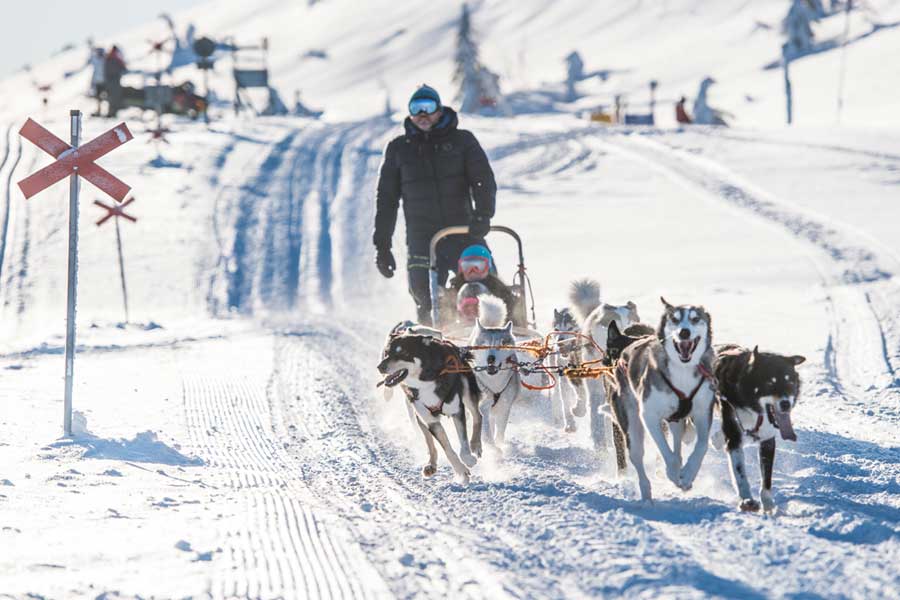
585	296
568	354
757	391
491	345
418	364
668	378
616	343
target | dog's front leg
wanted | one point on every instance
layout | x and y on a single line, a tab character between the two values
766	465
430	467
731	431
465	453
462	472
581	396
599	421
677	429
653	423
566	406
500	414
471	405
701	415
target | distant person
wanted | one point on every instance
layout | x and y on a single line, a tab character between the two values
113	69
444	178
681	114
98	76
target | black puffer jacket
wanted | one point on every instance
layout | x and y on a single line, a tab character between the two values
443	176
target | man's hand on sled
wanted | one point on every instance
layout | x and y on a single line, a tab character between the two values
384	260
479	227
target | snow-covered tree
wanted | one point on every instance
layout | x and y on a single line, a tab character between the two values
479	87
466	75
798	29
574	74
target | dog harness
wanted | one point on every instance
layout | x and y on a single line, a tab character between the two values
686	402
412	394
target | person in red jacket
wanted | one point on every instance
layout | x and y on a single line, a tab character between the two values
680	113
113	69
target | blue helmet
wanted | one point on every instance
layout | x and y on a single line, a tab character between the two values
479	251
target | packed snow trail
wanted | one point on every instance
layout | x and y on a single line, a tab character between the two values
549	519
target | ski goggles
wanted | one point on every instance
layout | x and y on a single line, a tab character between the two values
474	268
423	105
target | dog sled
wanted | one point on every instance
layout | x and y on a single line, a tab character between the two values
446	318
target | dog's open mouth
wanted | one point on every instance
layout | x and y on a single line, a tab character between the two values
394	378
783	420
686	348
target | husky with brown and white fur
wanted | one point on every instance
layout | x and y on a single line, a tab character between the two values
417	363
667	378
585	296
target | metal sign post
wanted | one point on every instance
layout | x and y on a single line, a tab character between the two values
114	212
73	161
71	296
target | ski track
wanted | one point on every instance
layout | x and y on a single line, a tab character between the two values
276	546
859	356
4	233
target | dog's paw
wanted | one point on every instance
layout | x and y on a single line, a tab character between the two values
463	477
571	428
429	470
468	459
749	505
768	502
580	408
476	449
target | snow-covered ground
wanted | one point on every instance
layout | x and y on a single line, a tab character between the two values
229	441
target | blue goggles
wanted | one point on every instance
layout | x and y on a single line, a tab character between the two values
423	105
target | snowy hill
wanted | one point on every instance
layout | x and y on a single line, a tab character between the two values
228	440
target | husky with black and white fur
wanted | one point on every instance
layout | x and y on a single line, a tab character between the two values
491	348
585	296
757	392
667	378
418	365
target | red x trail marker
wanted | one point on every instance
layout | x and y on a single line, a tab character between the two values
117	210
79	161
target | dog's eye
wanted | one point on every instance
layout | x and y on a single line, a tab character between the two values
695	318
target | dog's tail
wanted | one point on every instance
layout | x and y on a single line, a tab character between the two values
491	311
584	294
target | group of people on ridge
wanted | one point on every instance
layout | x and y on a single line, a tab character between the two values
106	78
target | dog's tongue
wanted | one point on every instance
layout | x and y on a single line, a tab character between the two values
786	427
685	349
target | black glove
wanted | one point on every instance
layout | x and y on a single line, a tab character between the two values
479	227
385	262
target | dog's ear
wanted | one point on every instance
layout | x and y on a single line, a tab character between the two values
612	332
668	306
753	356
631	305
508	327
797	359
478	326
556	314
607	306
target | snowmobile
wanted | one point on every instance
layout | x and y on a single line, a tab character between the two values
450	313
176	100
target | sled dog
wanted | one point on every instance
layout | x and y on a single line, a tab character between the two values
567	353
757	391
499	381
416	363
585	296
667	378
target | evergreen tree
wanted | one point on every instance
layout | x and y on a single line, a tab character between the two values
798	29
467	74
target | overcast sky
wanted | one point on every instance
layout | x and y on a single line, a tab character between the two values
32	30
